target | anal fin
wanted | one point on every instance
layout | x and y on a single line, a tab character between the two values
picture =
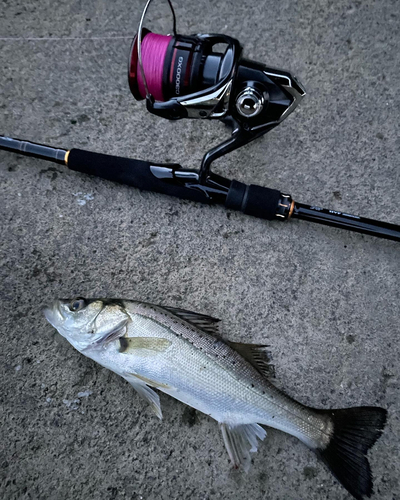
240	441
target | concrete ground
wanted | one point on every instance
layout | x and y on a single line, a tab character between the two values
326	300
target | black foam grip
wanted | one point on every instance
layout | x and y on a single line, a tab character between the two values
132	172
253	200
236	193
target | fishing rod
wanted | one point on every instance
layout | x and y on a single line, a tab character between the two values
204	76
172	179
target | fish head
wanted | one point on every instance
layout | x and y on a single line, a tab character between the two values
87	322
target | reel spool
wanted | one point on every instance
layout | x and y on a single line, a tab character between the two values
192	77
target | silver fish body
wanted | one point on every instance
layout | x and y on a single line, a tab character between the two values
181	354
202	371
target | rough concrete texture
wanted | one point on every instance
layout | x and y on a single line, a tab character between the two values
327	301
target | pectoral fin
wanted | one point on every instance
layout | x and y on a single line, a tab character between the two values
128	345
240	441
146	393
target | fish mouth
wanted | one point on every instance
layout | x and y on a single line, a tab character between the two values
53	314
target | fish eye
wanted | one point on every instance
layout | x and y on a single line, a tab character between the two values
77	304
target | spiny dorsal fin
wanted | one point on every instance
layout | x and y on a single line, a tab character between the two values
257	355
202	321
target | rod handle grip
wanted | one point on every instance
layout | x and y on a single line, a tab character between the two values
136	173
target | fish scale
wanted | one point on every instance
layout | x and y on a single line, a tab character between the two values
229	389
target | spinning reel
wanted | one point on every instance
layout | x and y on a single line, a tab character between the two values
193	77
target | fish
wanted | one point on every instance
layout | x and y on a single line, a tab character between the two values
182	354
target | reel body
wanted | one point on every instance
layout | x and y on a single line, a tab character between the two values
193	77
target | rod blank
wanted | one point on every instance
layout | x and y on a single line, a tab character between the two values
346	221
33	149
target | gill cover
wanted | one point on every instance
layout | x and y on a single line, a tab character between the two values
88	322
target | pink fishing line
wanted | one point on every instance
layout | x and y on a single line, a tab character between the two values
154	50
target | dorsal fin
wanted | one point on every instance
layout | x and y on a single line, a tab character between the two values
202	321
257	355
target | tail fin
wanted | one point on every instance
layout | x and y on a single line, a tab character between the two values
355	430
